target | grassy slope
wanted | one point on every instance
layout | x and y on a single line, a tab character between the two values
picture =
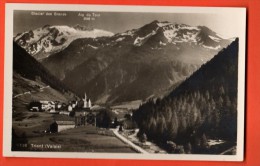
32	124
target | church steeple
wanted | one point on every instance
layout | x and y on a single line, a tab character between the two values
85	100
89	103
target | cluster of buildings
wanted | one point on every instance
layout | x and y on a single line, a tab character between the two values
79	109
79	113
59	107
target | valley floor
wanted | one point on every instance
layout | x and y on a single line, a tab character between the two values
30	127
29	134
81	139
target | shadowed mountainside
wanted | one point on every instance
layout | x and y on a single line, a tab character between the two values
203	106
137	64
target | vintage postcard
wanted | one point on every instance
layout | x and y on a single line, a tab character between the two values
124	82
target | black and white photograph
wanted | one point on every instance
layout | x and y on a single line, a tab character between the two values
126	82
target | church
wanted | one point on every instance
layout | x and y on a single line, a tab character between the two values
87	102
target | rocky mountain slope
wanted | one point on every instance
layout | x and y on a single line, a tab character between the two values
47	40
137	64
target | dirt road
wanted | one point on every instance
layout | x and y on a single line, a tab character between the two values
122	138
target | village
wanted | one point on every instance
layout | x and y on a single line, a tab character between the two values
82	113
82	110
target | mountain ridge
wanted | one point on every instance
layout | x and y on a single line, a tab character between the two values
118	68
44	41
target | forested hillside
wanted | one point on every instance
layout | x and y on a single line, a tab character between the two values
204	106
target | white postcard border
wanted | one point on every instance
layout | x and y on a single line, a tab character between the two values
240	12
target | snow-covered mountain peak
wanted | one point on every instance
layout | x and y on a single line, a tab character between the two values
47	40
162	24
174	33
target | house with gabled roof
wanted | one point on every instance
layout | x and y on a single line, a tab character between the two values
59	126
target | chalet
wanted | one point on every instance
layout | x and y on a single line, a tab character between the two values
47	105
58	106
74	104
70	108
59	126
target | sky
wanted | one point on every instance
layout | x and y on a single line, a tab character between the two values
117	22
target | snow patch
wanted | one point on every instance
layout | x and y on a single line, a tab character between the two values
140	40
120	39
162	43
190	37
100	33
216	39
170	34
63	28
42	38
212	48
128	33
18	36
189	28
162	24
92	46
212	142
